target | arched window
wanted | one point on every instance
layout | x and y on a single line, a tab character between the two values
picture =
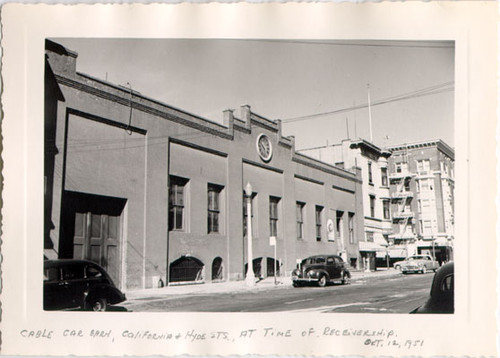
217	269
186	268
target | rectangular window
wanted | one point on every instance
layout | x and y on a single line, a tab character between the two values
419	205
351	228
383	172
370	174
339	224
423	166
387	211
369	236
176	203
444	167
318	215
372	206
424	185
245	212
407	185
401	167
213	208
300	219
273	215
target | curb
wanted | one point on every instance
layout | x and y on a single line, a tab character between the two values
236	286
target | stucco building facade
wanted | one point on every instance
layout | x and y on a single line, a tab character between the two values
156	194
373	162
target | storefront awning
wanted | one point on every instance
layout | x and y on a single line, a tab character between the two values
440	241
370	246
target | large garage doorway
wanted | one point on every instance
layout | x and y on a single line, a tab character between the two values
91	229
186	269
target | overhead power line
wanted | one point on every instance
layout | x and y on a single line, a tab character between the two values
436	89
366	43
118	143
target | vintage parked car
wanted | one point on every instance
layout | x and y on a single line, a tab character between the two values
78	284
321	269
417	263
442	298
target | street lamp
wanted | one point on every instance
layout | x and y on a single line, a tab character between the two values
250	279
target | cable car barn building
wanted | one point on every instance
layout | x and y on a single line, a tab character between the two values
154	193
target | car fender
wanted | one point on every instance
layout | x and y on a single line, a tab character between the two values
110	293
344	271
322	272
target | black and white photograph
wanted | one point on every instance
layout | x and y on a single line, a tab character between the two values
174	163
296	179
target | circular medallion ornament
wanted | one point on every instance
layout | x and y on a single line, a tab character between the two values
329	226
264	147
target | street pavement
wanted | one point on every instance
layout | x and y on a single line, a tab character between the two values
382	291
240	286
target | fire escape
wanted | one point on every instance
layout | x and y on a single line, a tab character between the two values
402	215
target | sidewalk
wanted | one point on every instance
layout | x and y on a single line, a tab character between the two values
240	286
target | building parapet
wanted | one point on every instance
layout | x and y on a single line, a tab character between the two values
370	147
66	74
439	143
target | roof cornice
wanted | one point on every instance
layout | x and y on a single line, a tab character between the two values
438	143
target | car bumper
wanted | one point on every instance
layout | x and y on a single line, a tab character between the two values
308	279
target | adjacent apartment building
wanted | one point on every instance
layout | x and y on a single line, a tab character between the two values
373	161
422	182
156	194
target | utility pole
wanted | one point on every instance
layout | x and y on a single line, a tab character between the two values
370	113
347	127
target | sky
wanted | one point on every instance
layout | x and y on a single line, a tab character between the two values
319	89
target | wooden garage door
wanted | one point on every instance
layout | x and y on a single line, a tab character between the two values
97	239
91	229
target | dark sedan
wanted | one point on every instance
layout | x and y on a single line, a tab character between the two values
321	269
78	284
442	297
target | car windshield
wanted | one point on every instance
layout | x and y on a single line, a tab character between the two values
411	258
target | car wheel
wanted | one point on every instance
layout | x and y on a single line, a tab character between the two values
98	305
322	281
397	267
296	284
346	279
424	270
